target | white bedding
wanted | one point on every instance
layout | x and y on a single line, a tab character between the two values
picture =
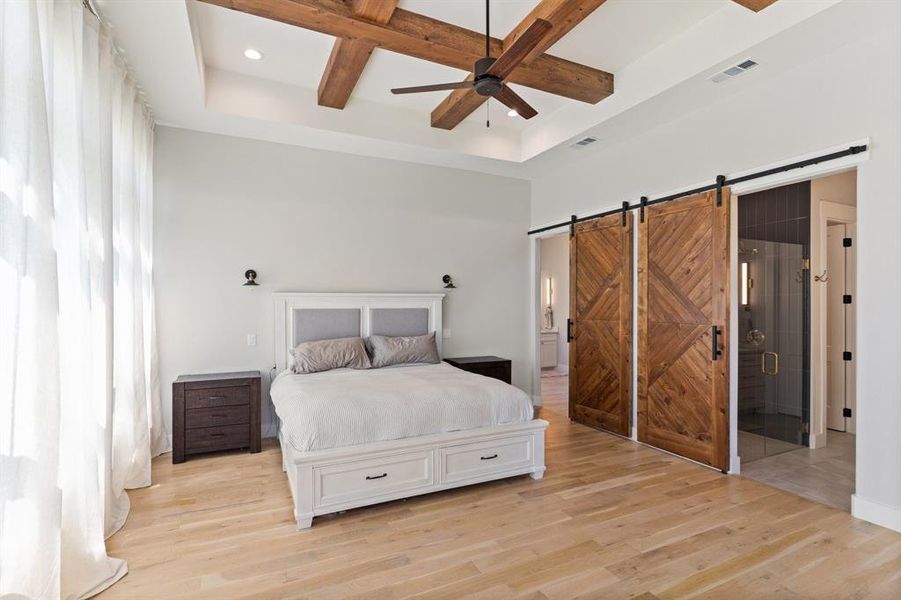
346	407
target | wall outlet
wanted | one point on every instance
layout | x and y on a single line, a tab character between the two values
251	339
446	334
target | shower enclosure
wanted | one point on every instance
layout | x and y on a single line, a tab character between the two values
773	324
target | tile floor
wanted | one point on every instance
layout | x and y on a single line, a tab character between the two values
824	474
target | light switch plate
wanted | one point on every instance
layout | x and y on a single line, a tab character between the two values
251	339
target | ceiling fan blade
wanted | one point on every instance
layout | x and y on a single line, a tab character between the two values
512	100
433	88
518	50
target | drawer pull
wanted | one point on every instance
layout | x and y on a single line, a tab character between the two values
217	435
216	398
489	457
218	416
371	477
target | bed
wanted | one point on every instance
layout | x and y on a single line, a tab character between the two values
352	438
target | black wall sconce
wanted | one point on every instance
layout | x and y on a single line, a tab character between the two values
251	276
448	282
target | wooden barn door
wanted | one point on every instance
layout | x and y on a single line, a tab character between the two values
601	323
683	336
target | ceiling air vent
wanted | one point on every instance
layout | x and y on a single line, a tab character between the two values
586	141
734	71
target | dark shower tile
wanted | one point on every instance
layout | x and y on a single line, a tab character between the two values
804	230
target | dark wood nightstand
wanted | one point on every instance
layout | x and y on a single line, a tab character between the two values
216	411
489	366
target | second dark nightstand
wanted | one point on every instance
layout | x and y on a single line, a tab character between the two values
489	366
218	411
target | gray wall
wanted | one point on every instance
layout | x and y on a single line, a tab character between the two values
315	221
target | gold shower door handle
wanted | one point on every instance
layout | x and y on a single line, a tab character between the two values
763	363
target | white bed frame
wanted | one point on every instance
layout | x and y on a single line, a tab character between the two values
328	481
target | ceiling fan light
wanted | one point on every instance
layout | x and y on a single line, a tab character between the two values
253	54
512	113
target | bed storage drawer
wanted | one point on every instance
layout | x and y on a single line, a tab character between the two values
472	461
389	476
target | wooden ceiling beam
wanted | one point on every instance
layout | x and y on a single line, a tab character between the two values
349	57
755	5
563	15
429	39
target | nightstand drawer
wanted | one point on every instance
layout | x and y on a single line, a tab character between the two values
216	397
493	372
217	438
489	366
215	417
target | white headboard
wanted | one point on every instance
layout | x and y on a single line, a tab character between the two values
290	308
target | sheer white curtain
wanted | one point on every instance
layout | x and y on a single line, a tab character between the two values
79	398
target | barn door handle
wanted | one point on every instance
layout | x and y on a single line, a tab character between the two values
715	343
569	330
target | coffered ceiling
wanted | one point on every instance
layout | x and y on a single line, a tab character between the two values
189	56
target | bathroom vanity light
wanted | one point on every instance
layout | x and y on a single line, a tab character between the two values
745	284
548	309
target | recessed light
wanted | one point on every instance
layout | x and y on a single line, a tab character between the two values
512	113
253	54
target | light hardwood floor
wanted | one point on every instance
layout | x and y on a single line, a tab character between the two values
555	393
611	519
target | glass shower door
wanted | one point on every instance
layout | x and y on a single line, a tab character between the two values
773	390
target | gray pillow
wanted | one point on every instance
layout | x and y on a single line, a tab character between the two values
386	350
324	355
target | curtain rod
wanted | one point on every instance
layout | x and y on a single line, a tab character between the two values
721	181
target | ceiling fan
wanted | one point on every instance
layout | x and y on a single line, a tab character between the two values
489	73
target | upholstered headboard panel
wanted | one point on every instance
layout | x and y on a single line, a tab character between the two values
399	321
301	317
313	324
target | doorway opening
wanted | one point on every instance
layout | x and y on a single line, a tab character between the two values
552	323
795	337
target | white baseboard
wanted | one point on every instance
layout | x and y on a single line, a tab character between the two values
817	440
875	512
563	368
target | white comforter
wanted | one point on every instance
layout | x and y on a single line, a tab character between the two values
346	407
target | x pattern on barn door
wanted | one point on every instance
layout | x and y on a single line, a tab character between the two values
601	311
683	331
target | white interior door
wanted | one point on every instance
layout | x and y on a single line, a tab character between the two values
835	328
851	327
840	327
